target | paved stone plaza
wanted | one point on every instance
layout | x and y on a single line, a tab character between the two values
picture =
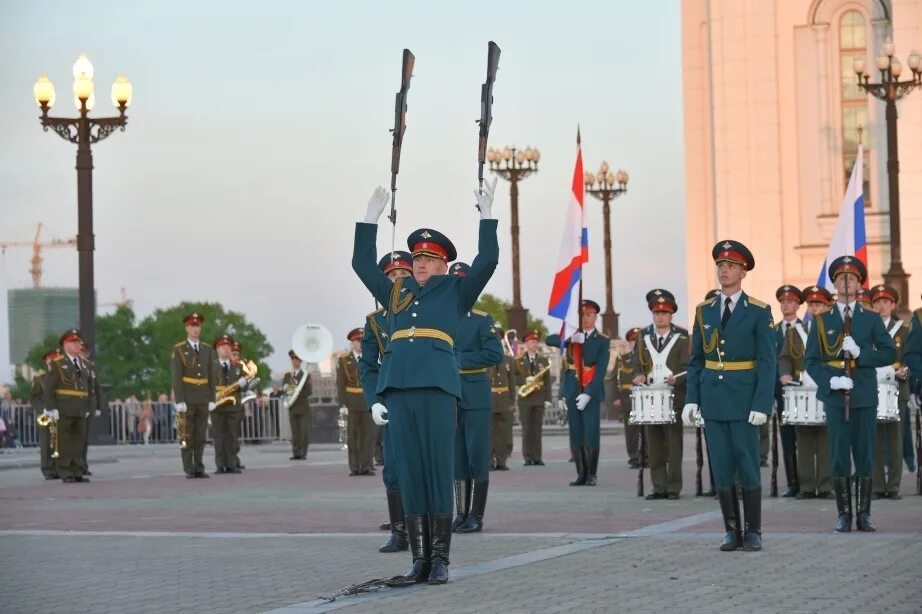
141	538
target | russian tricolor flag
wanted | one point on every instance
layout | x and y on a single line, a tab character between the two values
849	237
574	252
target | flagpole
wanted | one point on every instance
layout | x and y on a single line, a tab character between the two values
578	347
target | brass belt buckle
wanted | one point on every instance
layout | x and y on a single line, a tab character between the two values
720	366
412	331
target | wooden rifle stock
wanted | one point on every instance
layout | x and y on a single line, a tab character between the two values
400	126
486	107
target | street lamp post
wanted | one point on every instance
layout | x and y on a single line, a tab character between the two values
84	131
607	186
513	166
890	89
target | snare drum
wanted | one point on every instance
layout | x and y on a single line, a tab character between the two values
888	401
801	407
652	405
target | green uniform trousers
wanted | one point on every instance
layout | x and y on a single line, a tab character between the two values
472	444
733	446
584	425
813	459
360	437
300	420
852	440
664	447
389	471
501	434
422	422
44	442
196	424
224	432
532	419
888	458
70	446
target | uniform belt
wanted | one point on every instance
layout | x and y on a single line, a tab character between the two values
196	381
572	366
840	364
64	392
500	388
353	389
222	388
427	333
739	365
472	371
626	386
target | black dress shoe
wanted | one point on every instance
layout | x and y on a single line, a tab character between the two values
80	478
805	495
673	496
234	470
538	463
791	491
384	526
189	476
502	468
529	463
878	495
220	470
654	496
69	480
87	472
824	494
294	458
51	477
353	473
241	467
894	495
201	475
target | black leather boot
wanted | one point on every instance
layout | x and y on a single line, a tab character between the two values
440	531
474	522
842	487
462	503
790	474
752	514
418	534
579	457
863	505
730	508
398	538
592	469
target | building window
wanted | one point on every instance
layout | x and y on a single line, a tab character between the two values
853	44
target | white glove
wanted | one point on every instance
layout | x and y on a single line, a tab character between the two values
379	414
582	400
344	410
885	373
47	413
757	418
849	345
377	202
211	406
180	407
578	337
840	382
529	379
484	198
86	415
690	414
97	413
241	382
547	405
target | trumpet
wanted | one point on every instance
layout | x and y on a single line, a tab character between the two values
229	394
341	423
181	430
529	388
52	426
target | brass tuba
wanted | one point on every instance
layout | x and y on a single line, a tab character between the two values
527	389
311	343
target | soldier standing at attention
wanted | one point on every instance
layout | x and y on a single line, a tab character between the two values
624	369
812	440
38	405
478	349
531	408
299	408
360	434
584	397
194	391
225	420
848	390
889	437
239	409
789	301
502	387
731	376
96	403
661	355
66	393
419	381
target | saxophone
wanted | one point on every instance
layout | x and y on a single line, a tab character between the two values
229	394
527	389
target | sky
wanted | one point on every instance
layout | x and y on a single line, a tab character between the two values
259	130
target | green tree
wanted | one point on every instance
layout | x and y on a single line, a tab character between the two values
497	307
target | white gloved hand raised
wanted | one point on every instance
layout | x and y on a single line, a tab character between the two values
690	414
529	379
180	407
840	382
849	345
242	382
211	406
97	413
484	198
377	202
379	414
582	400
578	337
757	418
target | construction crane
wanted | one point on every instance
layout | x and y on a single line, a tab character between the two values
124	301
37	246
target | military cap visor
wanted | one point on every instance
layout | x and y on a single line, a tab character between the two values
815	294
632	334
591	306
428	242
884	291
532	334
355	334
224	340
194	319
733	251
291	354
396	260
661	300
848	264
789	292
71	335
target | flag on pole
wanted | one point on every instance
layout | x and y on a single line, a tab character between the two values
849	237
574	252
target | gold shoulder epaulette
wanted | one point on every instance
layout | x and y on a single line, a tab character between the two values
480	313
757	302
203	344
180	344
706	303
374	313
39	373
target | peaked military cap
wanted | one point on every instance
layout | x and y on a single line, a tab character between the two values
224	339
396	260
355	334
194	319
71	335
591	306
733	251
661	300
789	292
863	296
848	264
632	334
532	334
428	242
291	354
460	269
885	291
816	294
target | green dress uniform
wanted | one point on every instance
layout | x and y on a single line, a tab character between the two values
664	440
44	434
852	438
299	411
419	381
503	390
584	425
478	349
193	380
912	352
788	432
97	404
813	471
731	373
360	429
67	389
225	419
624	368
888	449
531	408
